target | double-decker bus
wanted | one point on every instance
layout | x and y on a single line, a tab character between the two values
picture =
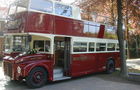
47	41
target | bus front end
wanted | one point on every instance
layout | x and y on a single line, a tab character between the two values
24	52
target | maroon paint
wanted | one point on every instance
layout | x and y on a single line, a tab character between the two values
50	24
89	63
101	31
29	62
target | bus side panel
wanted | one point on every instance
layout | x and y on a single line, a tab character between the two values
78	28
41	23
83	64
104	57
62	26
66	26
94	62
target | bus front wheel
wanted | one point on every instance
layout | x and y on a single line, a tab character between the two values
37	77
110	67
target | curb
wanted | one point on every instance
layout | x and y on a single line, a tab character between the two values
134	76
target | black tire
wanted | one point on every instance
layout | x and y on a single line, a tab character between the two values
37	77
110	67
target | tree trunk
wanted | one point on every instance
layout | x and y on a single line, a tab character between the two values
136	40
112	12
127	30
120	34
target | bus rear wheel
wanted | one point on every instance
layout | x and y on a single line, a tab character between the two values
36	78
110	67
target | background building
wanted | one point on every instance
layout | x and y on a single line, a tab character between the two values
3	13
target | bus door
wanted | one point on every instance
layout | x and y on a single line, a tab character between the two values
62	53
67	55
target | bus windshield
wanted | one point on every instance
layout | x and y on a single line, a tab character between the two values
16	44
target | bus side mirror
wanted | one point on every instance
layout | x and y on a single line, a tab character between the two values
29	38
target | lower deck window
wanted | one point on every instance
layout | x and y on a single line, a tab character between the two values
80	47
117	47
42	46
111	47
91	47
101	47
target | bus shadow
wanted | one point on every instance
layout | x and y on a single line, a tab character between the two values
114	77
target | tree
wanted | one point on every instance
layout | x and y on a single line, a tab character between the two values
100	7
120	33
110	9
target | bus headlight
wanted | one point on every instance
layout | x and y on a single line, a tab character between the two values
18	70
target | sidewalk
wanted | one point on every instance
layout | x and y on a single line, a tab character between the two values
133	65
133	69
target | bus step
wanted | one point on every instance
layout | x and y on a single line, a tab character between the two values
57	75
57	70
61	78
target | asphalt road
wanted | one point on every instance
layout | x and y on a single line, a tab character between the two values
98	81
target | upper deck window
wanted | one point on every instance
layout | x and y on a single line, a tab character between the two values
12	9
19	6
63	10
42	5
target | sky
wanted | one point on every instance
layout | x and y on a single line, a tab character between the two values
68	1
5	3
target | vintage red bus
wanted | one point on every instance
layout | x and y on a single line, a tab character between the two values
47	41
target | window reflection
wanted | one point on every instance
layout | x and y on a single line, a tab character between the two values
63	10
110	32
111	47
117	47
42	46
91	47
42	5
101	47
94	30
80	47
12	9
20	43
